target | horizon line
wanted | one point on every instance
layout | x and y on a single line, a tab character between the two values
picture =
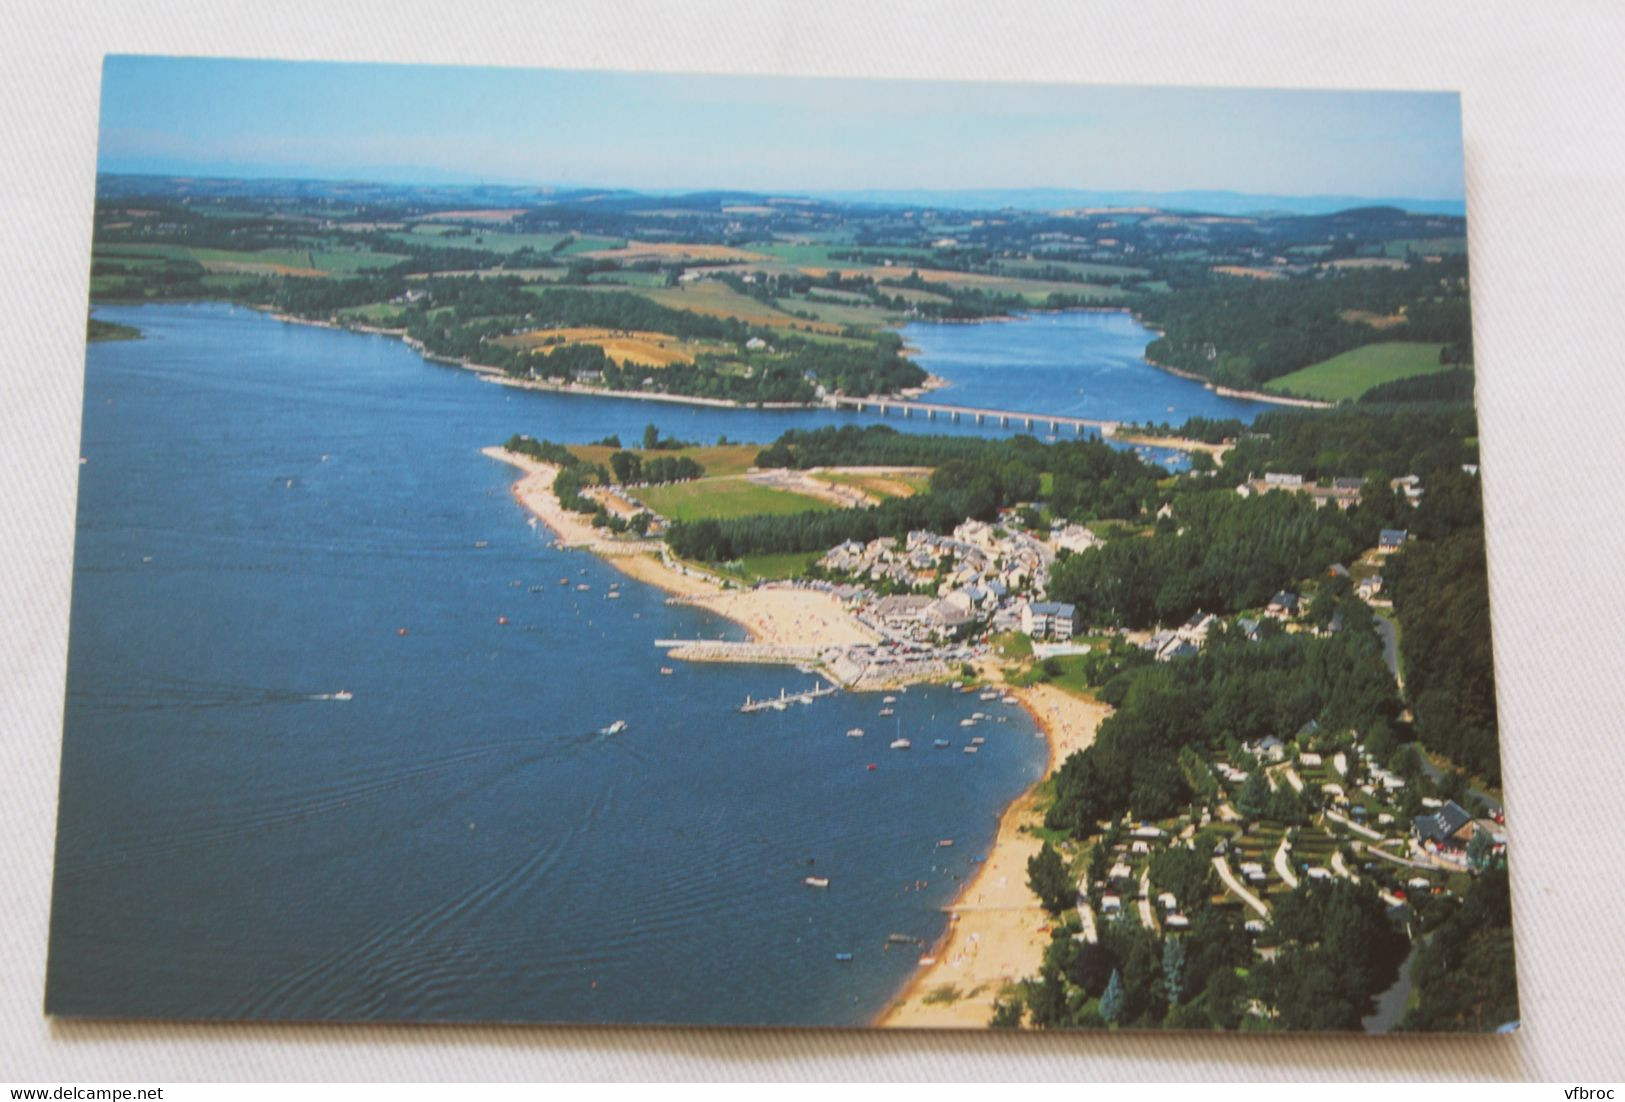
1404	202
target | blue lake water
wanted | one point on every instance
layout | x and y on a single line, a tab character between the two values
262	507
1076	363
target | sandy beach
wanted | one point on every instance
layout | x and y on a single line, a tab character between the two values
997	929
772	614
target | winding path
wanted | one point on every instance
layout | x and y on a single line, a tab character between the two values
1222	867
1283	866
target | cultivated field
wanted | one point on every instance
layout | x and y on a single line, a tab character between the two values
1345	377
624	346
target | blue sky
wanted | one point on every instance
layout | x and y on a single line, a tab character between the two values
430	124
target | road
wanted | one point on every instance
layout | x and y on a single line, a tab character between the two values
1283	866
1148	914
1390	648
1222	867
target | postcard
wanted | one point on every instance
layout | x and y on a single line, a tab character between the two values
592	547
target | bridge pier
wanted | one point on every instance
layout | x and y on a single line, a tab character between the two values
1054	426
1004	422
930	415
882	409
1029	421
908	411
978	418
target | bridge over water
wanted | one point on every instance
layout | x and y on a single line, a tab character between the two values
1004	418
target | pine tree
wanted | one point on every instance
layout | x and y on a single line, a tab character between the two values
1111	1003
1173	969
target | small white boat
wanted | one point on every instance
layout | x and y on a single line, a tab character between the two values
856	732
887	711
343	694
614	728
940	744
816	881
967	723
888	700
583	587
665	671
972	749
978	715
1009	700
613	595
480	544
989	695
945	843
900	744
977	741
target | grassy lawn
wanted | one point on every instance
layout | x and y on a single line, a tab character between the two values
841	313
720	498
1012	645
717	300
629	277
771	568
1347	376
378	313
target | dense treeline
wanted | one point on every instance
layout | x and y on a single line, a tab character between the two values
1091	479
972	479
1441	593
1338	950
1455	385
1245	332
884	446
1342	950
1234	691
1353	442
1466	975
1227	553
629	467
1206	429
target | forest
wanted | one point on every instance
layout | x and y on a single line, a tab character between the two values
972	478
1245	332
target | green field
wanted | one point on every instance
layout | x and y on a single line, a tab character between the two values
1349	375
629	277
346	260
721	498
772	568
375	313
491	241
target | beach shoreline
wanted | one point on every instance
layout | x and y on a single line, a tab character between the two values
997	929
773	615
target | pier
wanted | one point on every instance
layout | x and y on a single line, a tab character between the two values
786	698
721	650
1004	418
